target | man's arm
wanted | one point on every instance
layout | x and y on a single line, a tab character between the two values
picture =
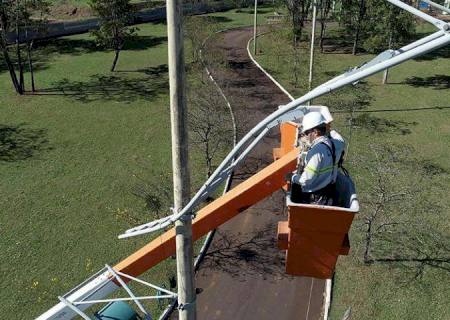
309	174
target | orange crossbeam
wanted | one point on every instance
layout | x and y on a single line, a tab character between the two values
288	132
244	195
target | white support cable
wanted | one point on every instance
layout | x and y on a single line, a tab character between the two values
419	42
249	148
74	308
437	6
122	299
438	23
388	54
97	287
173	294
356	75
130	293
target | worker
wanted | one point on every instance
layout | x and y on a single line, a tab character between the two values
315	179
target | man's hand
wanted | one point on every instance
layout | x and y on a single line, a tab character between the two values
296	178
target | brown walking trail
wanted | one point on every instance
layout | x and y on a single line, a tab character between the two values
243	276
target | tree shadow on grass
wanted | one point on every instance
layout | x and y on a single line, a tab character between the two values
375	124
78	47
414	250
215	19
441	53
40	61
144	42
150	71
110	88
20	143
252	11
337	44
70	46
437	82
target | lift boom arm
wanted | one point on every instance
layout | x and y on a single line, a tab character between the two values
244	195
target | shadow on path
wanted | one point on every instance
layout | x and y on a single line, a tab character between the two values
246	255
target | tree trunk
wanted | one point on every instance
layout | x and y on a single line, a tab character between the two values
208	159
116	57
296	68
8	61
358	26
19	57
355	41
30	65
386	72
322	34
324	10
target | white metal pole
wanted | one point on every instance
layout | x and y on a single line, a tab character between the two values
438	23
254	27
311	56
445	10
181	178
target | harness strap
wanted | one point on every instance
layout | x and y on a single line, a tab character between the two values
333	154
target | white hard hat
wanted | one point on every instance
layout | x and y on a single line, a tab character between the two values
312	120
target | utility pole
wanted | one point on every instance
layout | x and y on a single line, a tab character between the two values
311	56
254	27
181	179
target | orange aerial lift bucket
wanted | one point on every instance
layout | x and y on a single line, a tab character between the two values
314	236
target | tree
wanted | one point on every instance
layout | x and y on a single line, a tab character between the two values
197	29
10	15
210	123
37	25
352	17
115	17
390	195
386	26
20	17
324	7
298	12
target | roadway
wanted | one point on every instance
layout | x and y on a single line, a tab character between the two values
242	276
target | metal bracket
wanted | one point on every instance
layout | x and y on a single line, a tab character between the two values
186	306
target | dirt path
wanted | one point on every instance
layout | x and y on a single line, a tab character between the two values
243	276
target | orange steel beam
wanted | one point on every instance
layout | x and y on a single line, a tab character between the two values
288	132
244	195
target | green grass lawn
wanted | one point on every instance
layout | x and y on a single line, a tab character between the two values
70	157
411	270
